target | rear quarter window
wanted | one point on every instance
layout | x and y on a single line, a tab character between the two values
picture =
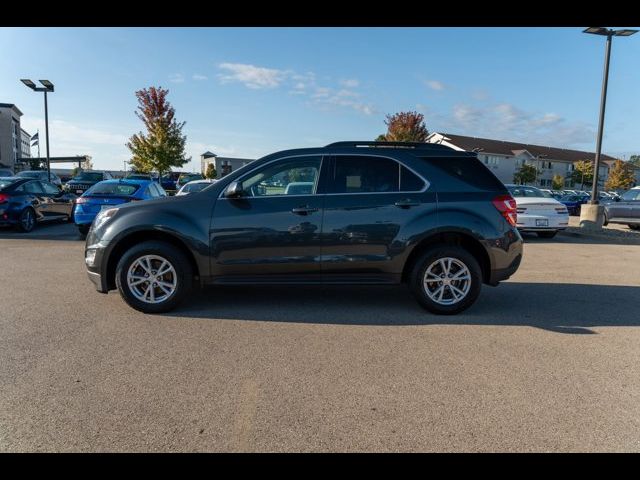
464	173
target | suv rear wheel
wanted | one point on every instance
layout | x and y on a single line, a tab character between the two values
153	277
446	280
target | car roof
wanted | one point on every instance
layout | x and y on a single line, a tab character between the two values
127	181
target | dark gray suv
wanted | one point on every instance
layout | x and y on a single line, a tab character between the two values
359	213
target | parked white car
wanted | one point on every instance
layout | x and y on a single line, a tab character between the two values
537	212
195	186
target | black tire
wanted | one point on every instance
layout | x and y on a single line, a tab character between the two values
547	234
27	220
180	263
634	227
606	220
430	257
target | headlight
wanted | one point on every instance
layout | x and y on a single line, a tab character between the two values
104	216
90	257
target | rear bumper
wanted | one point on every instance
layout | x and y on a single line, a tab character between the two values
504	273
538	223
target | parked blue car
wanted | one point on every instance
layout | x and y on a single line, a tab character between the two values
109	193
573	203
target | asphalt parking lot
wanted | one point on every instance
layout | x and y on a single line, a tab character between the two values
548	361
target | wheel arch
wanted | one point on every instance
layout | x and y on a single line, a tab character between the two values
139	236
455	238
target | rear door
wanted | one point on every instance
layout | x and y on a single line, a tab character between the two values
56	202
369	200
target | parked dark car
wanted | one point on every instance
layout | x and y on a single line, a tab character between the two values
85	180
168	181
25	202
5	172
573	203
625	209
378	214
109	193
42	175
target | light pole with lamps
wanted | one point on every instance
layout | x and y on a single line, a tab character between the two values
47	86
593	213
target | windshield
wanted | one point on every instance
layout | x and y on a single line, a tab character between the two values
5	182
113	189
632	194
29	174
524	191
189	177
89	176
195	187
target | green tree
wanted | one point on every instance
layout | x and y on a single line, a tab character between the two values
621	176
635	160
558	182
75	171
525	174
404	127
583	172
211	171
162	146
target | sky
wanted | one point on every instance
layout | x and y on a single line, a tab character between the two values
248	92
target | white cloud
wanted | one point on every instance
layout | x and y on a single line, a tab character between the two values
350	83
505	121
197	76
435	85
251	76
176	78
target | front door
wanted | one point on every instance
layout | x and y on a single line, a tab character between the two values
274	228
370	199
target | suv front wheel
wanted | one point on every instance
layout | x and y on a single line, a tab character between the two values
153	277
446	280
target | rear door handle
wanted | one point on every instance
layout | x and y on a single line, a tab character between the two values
407	203
303	210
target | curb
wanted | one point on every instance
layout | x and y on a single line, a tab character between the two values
619	240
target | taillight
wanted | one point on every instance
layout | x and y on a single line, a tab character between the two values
82	200
506	205
4	197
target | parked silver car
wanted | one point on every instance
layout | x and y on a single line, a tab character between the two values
625	209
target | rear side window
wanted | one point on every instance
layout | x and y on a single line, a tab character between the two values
33	187
113	189
363	174
468	170
409	181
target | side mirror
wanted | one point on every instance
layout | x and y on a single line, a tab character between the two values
234	190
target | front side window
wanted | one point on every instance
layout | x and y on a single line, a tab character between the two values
294	176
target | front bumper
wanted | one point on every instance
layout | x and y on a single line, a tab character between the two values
95	268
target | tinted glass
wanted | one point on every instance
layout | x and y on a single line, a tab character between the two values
89	177
631	195
113	189
50	188
469	171
294	176
5	182
33	187
409	181
524	191
195	187
362	174
29	174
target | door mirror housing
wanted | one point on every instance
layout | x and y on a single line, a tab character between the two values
234	190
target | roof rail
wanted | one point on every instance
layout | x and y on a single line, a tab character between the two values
419	145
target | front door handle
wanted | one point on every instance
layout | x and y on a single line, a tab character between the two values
303	210
407	203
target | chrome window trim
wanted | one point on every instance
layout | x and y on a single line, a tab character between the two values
427	184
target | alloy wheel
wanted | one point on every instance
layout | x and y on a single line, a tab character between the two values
447	281
152	279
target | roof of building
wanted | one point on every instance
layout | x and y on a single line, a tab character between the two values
208	154
25	132
501	147
11	105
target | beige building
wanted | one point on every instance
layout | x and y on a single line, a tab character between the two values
505	158
10	135
223	165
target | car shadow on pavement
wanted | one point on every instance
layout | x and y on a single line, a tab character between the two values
53	230
563	308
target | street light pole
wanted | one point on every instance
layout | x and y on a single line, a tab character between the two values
594	215
46	127
47	86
